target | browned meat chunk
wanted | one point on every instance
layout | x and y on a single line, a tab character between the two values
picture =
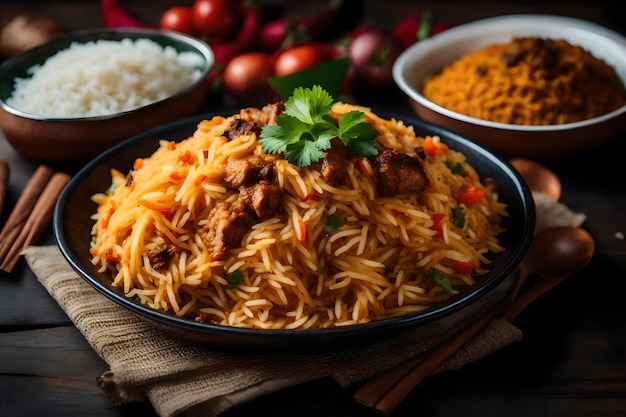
267	173
240	127
263	198
264	116
228	224
334	167
399	173
159	259
242	172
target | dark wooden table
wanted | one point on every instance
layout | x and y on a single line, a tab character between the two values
571	362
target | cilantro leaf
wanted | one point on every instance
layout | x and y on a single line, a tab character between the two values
110	190
305	130
441	279
272	139
303	153
456	168
358	135
458	217
309	105
324	130
234	279
332	223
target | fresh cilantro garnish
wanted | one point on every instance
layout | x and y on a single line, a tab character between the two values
456	168
234	279
332	223
458	217
110	190
358	135
441	279
304	130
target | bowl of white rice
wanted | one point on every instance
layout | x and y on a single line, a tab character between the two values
76	96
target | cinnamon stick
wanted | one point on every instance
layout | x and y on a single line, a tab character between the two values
22	209
4	182
37	221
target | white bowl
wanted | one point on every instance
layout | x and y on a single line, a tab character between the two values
431	55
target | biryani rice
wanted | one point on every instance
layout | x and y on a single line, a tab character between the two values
375	265
528	81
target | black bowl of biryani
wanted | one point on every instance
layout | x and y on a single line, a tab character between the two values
210	232
523	85
79	94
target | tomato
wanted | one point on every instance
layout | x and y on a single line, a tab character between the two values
216	18
246	78
298	58
178	19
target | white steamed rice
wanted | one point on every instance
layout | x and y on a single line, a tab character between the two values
104	77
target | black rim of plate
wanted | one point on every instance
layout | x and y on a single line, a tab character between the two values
514	254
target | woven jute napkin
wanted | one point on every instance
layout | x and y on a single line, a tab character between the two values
182	377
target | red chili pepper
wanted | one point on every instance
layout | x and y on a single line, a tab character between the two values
112	258
167	214
437	219
311	197
418	26
284	32
462	267
360	164
399	214
246	39
107	218
114	15
470	196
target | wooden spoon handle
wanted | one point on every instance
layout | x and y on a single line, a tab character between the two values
386	391
523	300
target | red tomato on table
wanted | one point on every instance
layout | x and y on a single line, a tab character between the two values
298	58
178	19
216	18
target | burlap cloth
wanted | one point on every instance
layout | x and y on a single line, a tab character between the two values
182	377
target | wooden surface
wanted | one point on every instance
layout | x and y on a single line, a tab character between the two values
571	362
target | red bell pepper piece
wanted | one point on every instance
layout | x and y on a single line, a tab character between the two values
462	267
470	196
437	219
